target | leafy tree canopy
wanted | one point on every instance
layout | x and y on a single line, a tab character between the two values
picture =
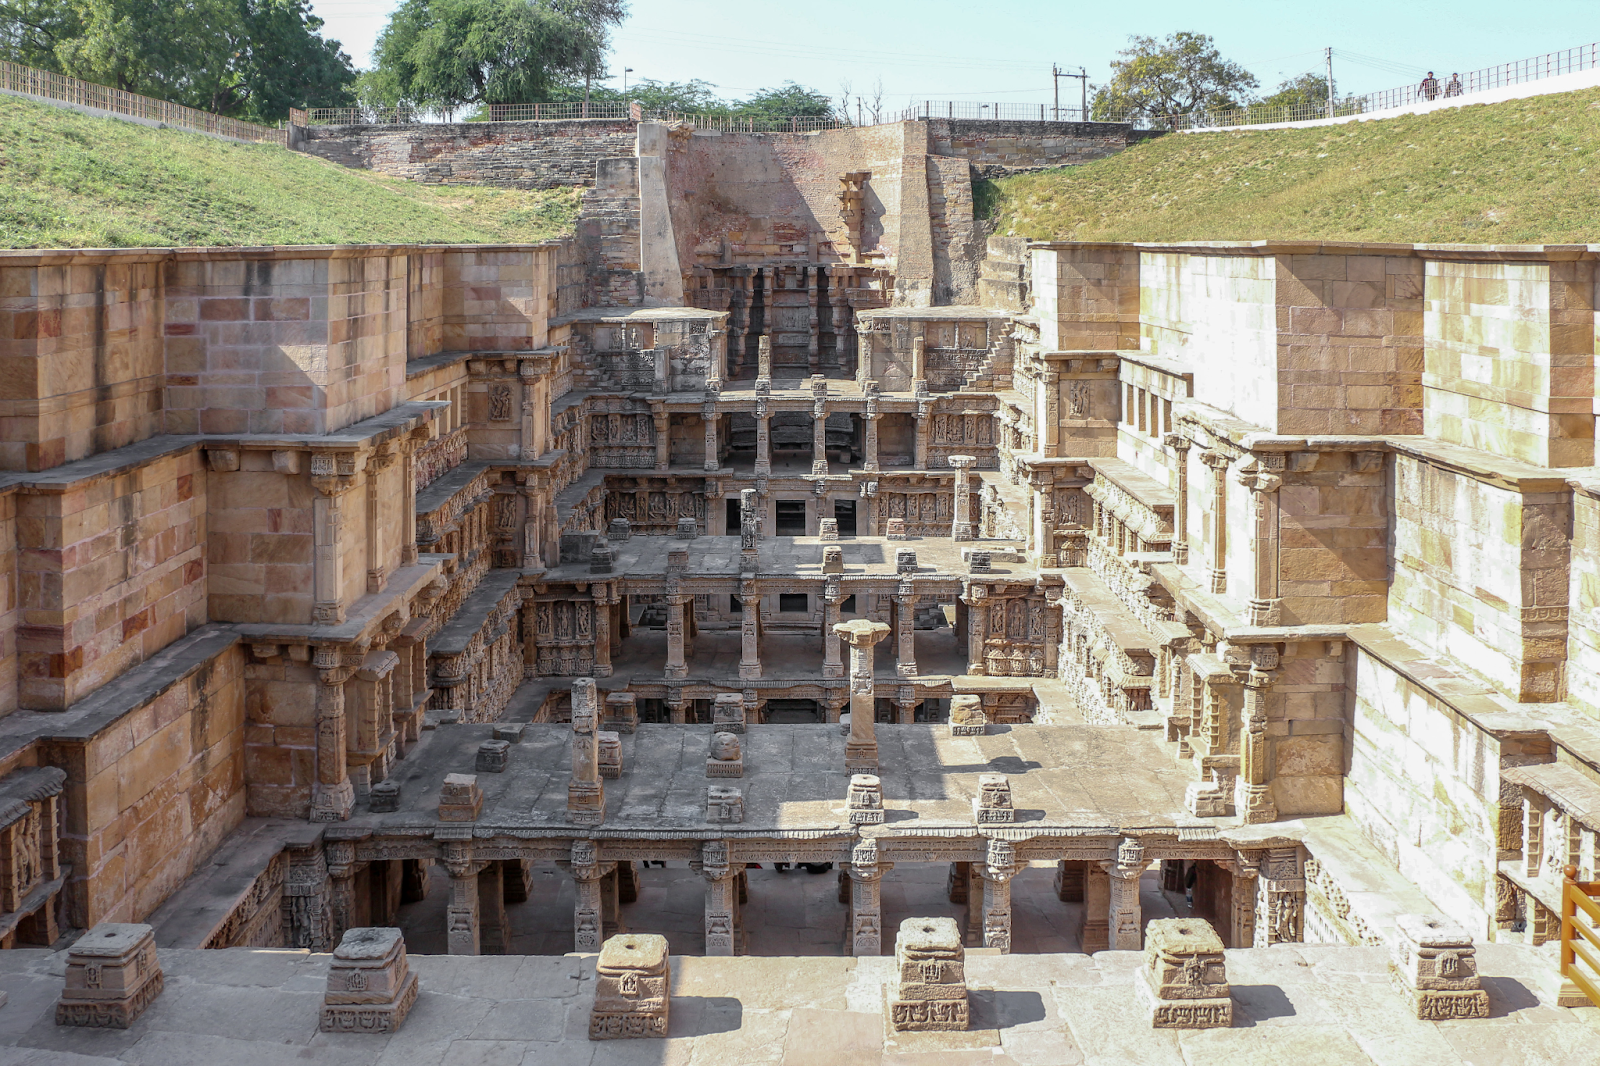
1306	90
448	53
1177	76
785	101
251	59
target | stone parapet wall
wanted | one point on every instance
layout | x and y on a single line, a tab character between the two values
519	155
997	148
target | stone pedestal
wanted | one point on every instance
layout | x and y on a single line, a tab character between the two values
724	804
586	797
961	527
727	713
833	560
1183	977
993	802
865	802
492	756
460	799
112	976
828	529
967	718
622	713
609	748
384	797
1436	967
727	757
931	993
370	986
632	993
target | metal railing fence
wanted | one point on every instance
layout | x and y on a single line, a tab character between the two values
1568	61
567	111
30	81
998	111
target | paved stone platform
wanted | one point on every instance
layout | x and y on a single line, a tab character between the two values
1328	1006
1081	777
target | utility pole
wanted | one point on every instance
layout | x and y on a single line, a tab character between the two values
1056	74
1083	86
1055	80
1330	81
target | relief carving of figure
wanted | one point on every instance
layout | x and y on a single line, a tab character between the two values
500	403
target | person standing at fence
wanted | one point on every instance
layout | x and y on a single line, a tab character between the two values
1453	86
1429	89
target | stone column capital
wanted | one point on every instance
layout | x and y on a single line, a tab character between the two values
862	633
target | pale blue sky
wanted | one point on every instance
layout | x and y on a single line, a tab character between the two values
1002	50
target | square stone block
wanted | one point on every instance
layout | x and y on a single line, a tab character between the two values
1184	977
1435	967
460	800
632	996
724	803
492	756
931	990
384	797
609	744
112	976
724	767
371	988
586	802
622	712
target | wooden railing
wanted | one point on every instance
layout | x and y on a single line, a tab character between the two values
59	88
1580	940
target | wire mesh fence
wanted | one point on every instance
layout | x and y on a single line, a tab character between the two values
30	81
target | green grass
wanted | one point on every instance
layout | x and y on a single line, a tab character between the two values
1521	172
71	181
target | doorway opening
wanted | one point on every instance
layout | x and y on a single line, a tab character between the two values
844	512
791	518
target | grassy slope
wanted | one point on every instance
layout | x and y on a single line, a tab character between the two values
71	181
1521	172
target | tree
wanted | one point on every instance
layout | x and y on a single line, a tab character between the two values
1308	90
447	53
1178	76
788	100
246	58
694	97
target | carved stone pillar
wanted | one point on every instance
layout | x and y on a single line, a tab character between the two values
905	609
602	630
1052	632
1265	606
1280	898
1050	414
998	870
1127	922
977	602
1219	519
832	597
861	750
722	901
461	915
341	887
663	422
1253	795
305	897
866	909
764	353
869	494
813	283
763	439
586	795
677	665
870	462
919	360
408	485
586	907
531	555
1180	486
377	573
493	936
749	629
921	436
1095	933
708	415
961	528
332	475
819	439
333	796
528	443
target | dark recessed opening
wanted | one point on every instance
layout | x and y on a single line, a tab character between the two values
844	512
848	606
794	601
791	515
735	527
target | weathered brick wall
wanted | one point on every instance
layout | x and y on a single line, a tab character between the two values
518	155
997	147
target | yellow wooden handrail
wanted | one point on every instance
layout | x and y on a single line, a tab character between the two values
1580	941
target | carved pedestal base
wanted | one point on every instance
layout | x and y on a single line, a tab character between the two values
861	756
112	976
1184	977
1208	800
371	988
931	993
632	993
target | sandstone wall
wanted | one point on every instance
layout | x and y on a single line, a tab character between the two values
1306	729
521	155
1000	147
1424	781
284	343
1481	570
81	363
155	777
1349	342
1510	355
1583	598
1333	537
1086	297
110	568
